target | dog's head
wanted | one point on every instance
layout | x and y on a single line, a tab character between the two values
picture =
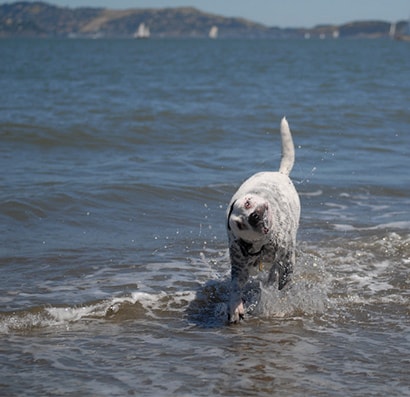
249	219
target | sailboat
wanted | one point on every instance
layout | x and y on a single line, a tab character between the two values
213	32
142	32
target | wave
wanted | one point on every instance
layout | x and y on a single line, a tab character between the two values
47	133
204	306
137	305
404	225
335	279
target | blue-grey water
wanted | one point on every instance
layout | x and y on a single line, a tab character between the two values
118	159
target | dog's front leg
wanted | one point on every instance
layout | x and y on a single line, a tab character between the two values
239	276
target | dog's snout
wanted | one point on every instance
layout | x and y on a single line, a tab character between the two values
254	219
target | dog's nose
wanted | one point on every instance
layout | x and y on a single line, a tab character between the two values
254	219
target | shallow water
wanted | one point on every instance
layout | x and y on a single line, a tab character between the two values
119	158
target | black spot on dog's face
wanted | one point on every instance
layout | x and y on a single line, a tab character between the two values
254	219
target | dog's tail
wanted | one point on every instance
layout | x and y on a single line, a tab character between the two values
288	150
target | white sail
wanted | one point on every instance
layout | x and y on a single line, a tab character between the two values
213	32
392	32
142	32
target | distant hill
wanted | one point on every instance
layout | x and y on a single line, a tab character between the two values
39	19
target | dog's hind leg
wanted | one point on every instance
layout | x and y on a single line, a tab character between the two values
282	270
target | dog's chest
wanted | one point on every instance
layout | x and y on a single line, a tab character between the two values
263	261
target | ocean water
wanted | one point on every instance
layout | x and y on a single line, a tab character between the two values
118	160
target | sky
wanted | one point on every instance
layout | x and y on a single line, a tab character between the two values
282	13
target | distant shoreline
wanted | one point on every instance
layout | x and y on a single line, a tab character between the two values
43	20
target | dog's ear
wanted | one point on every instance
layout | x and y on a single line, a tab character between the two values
229	214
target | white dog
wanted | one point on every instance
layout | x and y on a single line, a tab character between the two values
263	218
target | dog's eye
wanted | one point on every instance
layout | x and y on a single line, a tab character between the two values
254	218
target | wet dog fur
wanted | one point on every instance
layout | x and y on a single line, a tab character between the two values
262	222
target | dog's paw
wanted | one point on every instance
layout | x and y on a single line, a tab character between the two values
236	313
